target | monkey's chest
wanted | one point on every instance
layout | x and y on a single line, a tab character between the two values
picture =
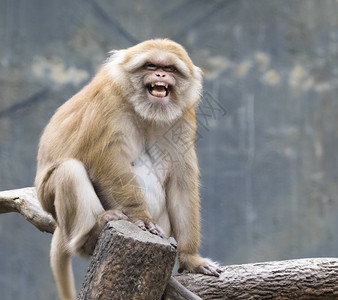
150	175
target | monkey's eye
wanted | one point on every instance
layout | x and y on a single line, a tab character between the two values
169	69
151	66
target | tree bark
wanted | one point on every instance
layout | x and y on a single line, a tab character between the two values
176	291
129	263
291	279
25	202
315	278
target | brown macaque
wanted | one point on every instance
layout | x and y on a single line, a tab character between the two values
124	148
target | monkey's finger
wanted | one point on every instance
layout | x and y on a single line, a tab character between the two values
155	229
209	270
152	228
215	266
113	215
160	231
121	215
206	270
140	224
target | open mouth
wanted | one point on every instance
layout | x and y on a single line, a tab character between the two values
159	89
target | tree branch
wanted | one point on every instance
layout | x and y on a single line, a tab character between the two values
313	278
293	279
176	291
25	202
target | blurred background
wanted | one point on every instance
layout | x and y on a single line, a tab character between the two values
268	123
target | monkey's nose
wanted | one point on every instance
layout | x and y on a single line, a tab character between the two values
160	74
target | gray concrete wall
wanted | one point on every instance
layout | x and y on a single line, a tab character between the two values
269	166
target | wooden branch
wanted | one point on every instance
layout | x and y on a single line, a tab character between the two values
129	263
291	279
176	291
294	279
25	202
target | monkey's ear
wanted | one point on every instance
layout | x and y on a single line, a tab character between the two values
198	73
116	56
114	65
129	62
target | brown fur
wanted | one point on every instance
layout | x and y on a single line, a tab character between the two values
88	150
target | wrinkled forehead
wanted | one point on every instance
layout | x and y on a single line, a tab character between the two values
157	57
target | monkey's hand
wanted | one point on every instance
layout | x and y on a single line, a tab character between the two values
150	226
195	264
101	221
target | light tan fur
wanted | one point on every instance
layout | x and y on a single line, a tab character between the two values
119	147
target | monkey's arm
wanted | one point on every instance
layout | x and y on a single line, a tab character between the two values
110	170
117	187
183	188
184	204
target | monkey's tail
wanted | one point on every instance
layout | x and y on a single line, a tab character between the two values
61	262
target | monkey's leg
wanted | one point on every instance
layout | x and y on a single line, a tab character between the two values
77	208
110	215
76	203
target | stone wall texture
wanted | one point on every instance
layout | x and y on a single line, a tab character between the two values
268	123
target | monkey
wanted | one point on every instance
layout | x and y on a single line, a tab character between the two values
123	147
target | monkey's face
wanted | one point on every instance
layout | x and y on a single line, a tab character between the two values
160	79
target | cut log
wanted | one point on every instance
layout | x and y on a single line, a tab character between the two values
129	263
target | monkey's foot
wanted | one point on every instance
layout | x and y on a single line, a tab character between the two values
210	268
150	226
196	264
101	221
110	215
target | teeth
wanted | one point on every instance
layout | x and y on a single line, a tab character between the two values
159	89
160	84
158	94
